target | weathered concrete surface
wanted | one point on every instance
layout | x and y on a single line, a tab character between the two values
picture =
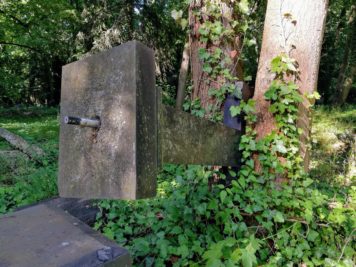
118	161
44	235
83	209
186	139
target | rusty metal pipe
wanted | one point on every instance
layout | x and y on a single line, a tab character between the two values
84	122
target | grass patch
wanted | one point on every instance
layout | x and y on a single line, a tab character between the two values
23	181
333	145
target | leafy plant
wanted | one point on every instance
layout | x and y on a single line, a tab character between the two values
273	214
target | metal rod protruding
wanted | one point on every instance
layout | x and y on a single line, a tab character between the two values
84	122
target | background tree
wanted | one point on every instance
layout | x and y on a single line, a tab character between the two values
338	56
347	72
36	39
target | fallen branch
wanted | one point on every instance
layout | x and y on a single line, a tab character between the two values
21	144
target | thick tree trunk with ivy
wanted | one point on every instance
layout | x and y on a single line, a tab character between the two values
295	28
206	32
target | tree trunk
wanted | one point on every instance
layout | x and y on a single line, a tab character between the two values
202	81
183	73
295	28
348	68
348	83
56	66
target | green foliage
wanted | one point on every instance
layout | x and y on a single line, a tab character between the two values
22	181
278	216
333	145
38	37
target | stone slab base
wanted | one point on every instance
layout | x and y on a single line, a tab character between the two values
45	235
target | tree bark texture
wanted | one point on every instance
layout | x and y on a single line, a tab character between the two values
348	67
183	73
295	28
201	80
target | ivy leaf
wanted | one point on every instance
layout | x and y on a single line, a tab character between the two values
183	251
249	107
184	23
176	15
308	182
213	254
218	29
242	182
243	6
248	78
278	217
312	235
236	255
280	147
271	94
207	68
203	54
142	246
248	257
276	64
245	172
232	173
214	263
223	195
235	110
290	63
204	31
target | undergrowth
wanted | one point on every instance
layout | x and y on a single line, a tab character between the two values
190	221
23	181
309	221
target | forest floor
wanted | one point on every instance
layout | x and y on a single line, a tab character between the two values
24	182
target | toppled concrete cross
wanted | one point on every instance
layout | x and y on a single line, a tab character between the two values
131	133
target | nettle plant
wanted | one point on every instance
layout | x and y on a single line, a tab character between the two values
271	216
